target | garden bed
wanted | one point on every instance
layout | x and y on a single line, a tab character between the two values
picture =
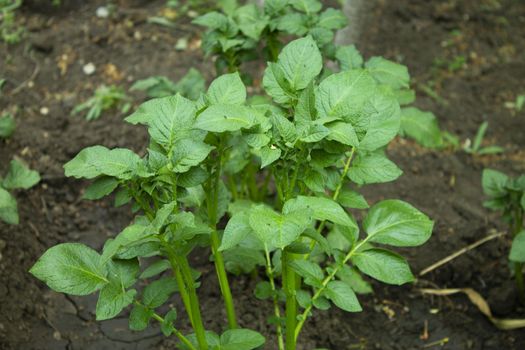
46	80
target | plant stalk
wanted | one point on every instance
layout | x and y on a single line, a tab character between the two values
289	279
325	282
276	310
180	263
335	196
213	201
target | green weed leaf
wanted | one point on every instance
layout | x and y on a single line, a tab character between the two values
8	208
20	176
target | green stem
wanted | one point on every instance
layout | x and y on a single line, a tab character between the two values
224	285
276	310
518	266
325	282
183	291
200	331
291	302
177	333
335	196
181	264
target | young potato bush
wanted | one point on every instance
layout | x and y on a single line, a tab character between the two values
258	183
508	196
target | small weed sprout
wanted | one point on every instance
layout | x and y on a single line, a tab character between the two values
105	98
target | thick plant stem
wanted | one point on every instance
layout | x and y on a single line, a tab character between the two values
183	292
276	310
213	199
180	263
289	278
518	266
198	327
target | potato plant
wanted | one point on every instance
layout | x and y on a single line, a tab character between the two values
235	33
508	196
259	184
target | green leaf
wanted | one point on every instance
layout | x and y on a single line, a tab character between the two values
493	183
332	19
349	57
212	20
98	160
322	209
384	119
352	199
517	251
421	126
315	133
237	228
322	36
276	85
139	318
211	338
167	326
307	6
314	180
100	188
251	21
7	126
155	269
243	260
388	73
221	118
342	296
269	155
169	119
277	230
71	268
8	208
313	275
373	168
113	297
343	133
188	153
241	339
343	95
228	89
20	176
263	290
159	291
293	23
397	223
383	265
285	127
353	278
300	62
305	109
523	201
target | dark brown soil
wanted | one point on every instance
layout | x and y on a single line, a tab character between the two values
489	34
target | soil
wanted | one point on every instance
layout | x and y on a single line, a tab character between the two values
45	81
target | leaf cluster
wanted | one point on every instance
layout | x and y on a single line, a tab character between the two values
234	33
282	174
